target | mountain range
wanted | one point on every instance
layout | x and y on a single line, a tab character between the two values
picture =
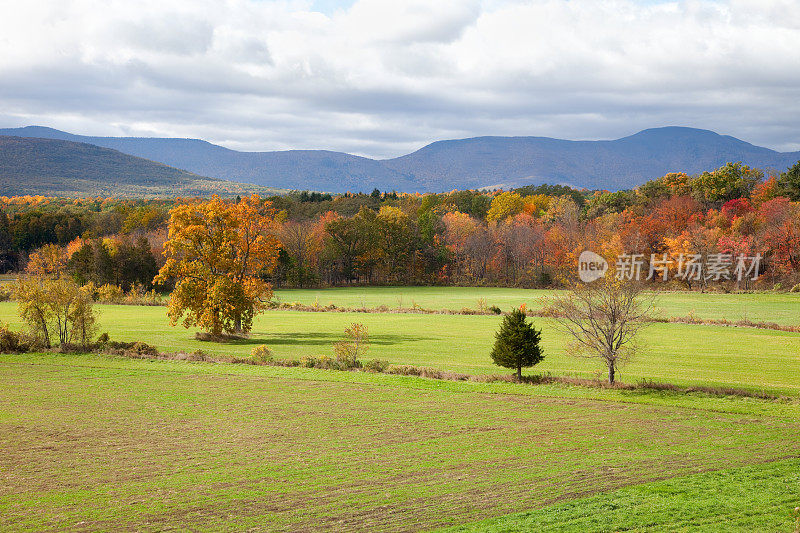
480	162
52	167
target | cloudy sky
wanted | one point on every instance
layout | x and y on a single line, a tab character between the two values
385	77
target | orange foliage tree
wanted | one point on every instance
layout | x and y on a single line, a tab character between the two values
216	252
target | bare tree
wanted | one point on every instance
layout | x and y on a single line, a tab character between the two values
300	242
479	248
603	318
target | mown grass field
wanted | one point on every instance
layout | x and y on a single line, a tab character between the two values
93	442
781	308
99	442
683	354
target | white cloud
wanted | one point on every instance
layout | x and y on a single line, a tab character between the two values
384	77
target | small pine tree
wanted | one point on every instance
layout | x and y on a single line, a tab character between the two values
517	343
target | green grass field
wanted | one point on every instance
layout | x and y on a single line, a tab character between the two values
92	442
782	308
98	442
683	354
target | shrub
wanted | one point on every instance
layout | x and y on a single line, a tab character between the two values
198	355
11	341
424	372
376	365
308	361
5	293
328	363
132	349
403	370
356	342
109	293
261	354
137	295
143	348
494	309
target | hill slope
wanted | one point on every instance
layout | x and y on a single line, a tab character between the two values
292	169
618	164
64	168
456	164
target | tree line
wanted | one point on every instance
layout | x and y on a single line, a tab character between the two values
529	236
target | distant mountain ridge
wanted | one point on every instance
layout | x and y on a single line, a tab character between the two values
455	164
54	167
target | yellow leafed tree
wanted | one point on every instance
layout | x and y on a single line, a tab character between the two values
215	253
51	303
504	205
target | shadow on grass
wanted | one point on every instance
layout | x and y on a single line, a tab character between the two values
318	339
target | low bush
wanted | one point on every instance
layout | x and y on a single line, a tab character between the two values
425	372
113	294
376	365
261	354
349	350
308	361
200	355
131	349
12	341
140	297
110	294
327	362
6	293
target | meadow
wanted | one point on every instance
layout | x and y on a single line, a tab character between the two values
95	442
683	354
781	308
103	442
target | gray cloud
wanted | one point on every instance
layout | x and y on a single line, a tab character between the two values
382	78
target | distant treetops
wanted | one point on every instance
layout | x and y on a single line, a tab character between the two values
529	236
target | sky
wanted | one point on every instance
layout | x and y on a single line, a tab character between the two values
382	78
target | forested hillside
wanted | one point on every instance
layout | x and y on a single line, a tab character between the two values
480	162
34	166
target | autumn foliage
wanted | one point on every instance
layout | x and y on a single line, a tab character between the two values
216	252
529	237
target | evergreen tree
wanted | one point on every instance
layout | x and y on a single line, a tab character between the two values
517	343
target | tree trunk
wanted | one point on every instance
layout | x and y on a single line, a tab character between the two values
611	372
519	372
237	324
45	333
